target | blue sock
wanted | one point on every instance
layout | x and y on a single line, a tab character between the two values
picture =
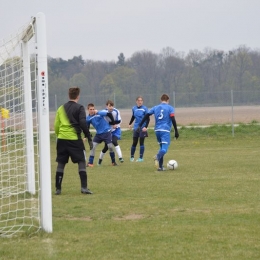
141	151
91	159
133	151
112	155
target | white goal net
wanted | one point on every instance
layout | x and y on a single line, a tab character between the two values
25	189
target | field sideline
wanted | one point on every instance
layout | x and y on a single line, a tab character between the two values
207	209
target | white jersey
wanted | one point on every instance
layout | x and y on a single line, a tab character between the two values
117	117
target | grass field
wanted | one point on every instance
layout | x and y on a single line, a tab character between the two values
206	209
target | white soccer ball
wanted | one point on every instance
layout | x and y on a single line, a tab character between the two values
172	165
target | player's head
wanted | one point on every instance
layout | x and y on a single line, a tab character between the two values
165	98
74	93
91	109
139	101
110	105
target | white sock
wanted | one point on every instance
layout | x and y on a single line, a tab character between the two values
101	156
118	151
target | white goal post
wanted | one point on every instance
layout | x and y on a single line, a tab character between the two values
25	169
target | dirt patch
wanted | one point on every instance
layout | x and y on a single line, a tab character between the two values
130	217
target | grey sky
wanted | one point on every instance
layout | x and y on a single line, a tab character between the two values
101	29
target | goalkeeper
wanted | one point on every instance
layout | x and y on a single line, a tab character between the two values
70	121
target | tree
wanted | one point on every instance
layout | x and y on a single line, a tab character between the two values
121	60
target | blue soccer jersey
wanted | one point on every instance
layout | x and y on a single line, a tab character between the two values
139	113
98	122
162	115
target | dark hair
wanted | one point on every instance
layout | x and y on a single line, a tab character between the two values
164	97
74	92
110	102
91	105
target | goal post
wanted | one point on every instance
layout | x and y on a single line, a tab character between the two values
25	168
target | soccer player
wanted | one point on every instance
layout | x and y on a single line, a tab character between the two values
69	123
164	119
103	132
138	112
115	130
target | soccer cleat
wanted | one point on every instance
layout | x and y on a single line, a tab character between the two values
114	164
90	165
86	191
161	169
121	160
156	162
132	159
140	160
99	162
58	192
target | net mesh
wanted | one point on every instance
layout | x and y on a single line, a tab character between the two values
19	207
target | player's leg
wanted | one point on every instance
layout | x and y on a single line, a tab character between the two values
107	138
117	148
164	138
92	155
59	177
78	155
134	144
62	159
102	154
112	154
96	141
142	147
83	177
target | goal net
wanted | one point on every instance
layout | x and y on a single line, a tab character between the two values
25	176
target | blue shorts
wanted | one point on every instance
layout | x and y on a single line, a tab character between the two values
140	134
163	137
117	133
106	137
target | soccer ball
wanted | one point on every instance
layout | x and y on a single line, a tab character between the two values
172	165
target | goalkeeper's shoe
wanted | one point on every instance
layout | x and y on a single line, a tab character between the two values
156	162
86	191
58	192
140	160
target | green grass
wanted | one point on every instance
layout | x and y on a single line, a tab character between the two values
206	209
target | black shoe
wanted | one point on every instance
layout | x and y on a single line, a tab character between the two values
58	192
86	191
114	164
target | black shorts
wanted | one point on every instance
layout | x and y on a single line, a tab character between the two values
140	134
74	149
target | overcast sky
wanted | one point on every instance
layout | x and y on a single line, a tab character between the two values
101	29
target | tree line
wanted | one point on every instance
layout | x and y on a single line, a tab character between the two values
169	71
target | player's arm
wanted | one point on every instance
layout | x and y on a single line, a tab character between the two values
132	120
116	122
174	126
110	116
146	119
